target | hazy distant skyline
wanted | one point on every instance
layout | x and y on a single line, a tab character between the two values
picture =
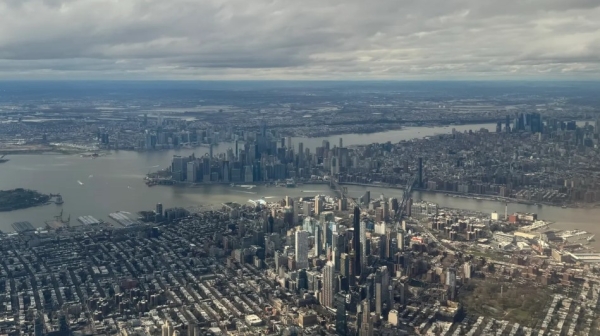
262	39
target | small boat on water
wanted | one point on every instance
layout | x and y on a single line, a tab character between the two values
590	238
80	183
59	200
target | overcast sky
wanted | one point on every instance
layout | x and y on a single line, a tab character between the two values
300	39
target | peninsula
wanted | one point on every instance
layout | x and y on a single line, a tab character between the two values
21	199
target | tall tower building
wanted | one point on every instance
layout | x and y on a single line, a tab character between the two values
363	244
318	205
191	171
345	265
328	285
451	282
306	209
318	241
356	242
301	249
341	323
366	199
296	208
366	327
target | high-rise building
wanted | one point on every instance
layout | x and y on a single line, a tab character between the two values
468	270
363	244
343	204
318	205
159	209
335	169
328	284
366	198
378	298
301	249
296	208
306	208
166	329
318	241
341	323
191	171
366	326
300	155
345	265
451	282
225	171
400	240
356	241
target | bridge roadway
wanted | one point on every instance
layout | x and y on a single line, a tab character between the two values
341	192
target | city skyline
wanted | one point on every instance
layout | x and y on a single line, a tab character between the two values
233	39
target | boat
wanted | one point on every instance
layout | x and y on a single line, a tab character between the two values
590	238
2	159
80	183
564	206
59	200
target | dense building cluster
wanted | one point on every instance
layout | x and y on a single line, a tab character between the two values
556	166
299	266
262	158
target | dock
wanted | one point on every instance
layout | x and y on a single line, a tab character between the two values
88	220
122	219
21	227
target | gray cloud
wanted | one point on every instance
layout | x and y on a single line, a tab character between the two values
355	39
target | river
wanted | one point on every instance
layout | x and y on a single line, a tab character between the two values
115	183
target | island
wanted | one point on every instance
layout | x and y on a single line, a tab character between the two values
21	199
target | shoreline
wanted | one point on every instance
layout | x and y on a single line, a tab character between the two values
49	150
482	197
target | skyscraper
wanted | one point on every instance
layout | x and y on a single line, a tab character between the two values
341	324
363	244
318	205
225	171
366	326
328	285
366	199
451	282
306	208
301	249
356	241
318	241
191	171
